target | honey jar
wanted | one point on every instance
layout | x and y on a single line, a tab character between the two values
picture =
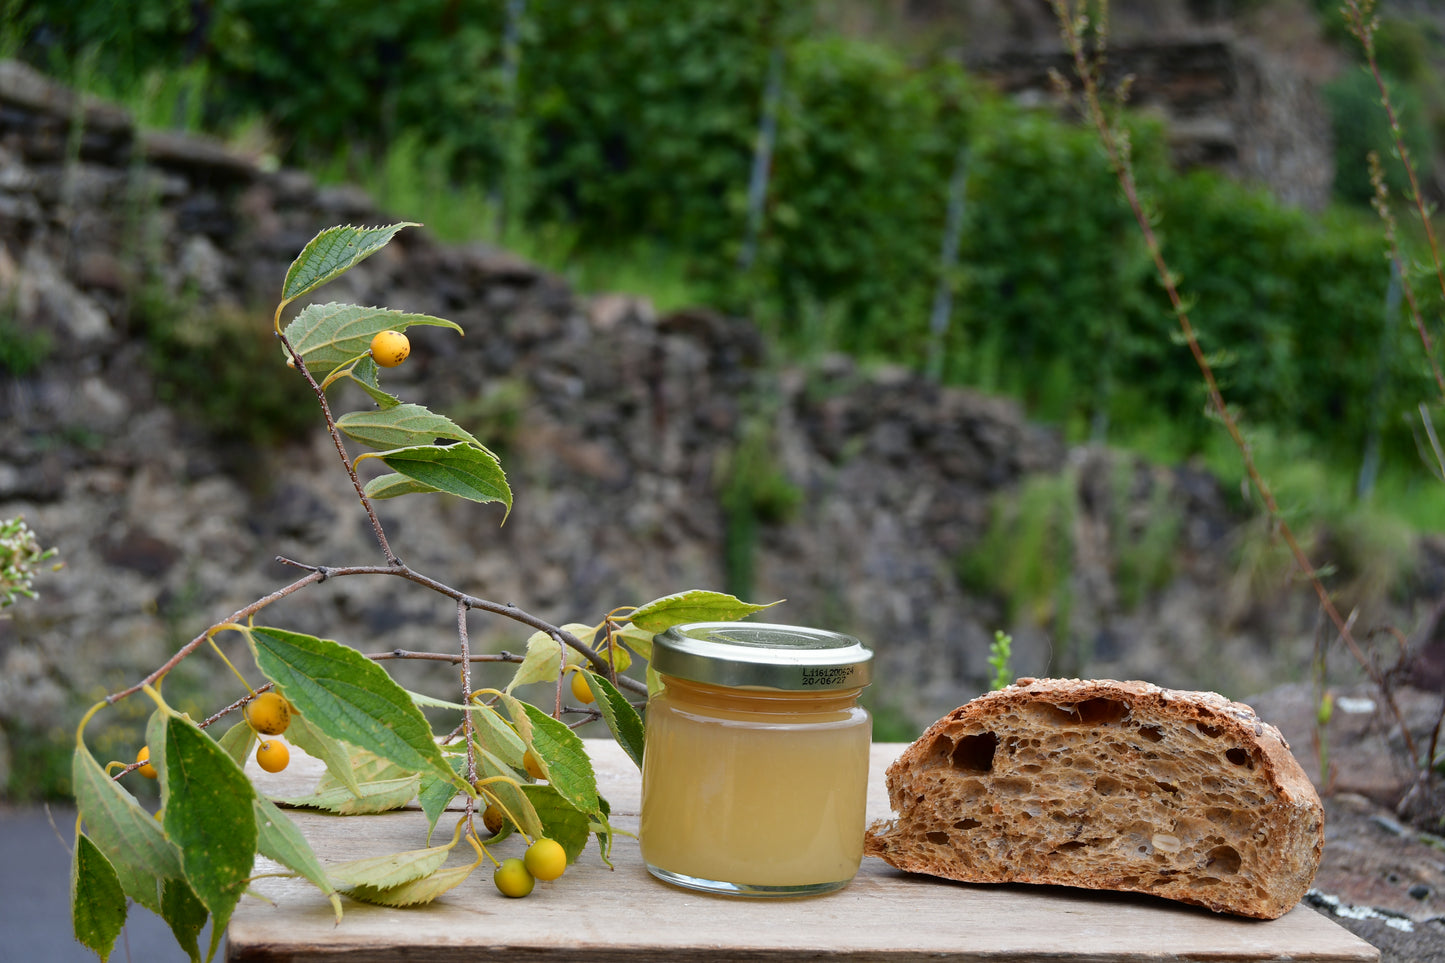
755	771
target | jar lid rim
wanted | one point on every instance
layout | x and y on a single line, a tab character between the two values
762	655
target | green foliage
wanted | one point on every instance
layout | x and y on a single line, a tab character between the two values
1026	556
1000	654
753	490
20	553
1360	126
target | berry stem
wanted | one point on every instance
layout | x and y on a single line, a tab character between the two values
335	432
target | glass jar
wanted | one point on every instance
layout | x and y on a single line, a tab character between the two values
755	772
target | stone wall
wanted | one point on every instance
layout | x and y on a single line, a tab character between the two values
615	425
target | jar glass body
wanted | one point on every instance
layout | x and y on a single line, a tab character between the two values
754	792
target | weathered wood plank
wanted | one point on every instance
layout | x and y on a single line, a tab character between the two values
596	915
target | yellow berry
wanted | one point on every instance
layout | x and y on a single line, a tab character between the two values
389	348
269	713
581	691
512	878
534	765
493	819
147	770
545	859
272	755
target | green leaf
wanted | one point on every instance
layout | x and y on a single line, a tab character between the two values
393	869
209	816
280	840
693	606
335	754
128	835
496	736
569	770
543	661
417	891
332	253
366	766
380	796
366	373
461	470
238	742
97	902
392	485
560	819
347	696
621	717
638	640
403	426
185	915
331	334
436	793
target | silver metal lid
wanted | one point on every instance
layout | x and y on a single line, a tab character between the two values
762	655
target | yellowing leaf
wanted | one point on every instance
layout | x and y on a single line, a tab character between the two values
417	891
335	754
543	661
393	869
375	797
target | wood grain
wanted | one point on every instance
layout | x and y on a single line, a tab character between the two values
598	916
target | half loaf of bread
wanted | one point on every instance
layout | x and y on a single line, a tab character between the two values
1108	785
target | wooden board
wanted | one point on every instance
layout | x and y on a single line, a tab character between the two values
596	915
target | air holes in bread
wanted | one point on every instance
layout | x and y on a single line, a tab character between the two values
967	824
1222	861
1107	786
1090	712
937	837
1240	757
1167	787
1152	733
1213	732
974	753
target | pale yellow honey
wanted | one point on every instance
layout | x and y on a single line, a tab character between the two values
754	788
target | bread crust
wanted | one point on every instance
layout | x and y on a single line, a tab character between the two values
1108	785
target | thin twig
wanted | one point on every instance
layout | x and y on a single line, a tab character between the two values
320	393
1123	171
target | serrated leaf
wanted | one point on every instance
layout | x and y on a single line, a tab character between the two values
543	660
380	796
470	473
97	902
620	716
238	742
209	816
696	605
417	891
403	426
347	696
279	839
569	770
332	334
333	753
185	915
393	869
366	373
560	819
333	252
126	834
393	485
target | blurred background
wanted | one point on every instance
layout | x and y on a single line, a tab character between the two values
828	302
